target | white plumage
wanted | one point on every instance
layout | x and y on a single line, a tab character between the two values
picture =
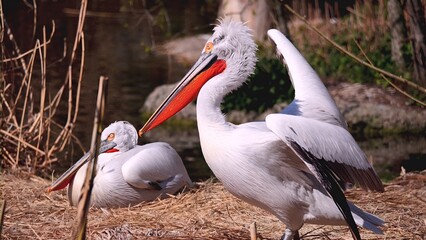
295	163
127	173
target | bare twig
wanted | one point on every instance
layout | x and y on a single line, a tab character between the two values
80	79
28	135
43	89
11	116
24	82
253	231
84	201
65	134
387	80
2	24
20	56
12	39
21	141
34	17
343	50
29	74
2	208
7	158
33	231
76	140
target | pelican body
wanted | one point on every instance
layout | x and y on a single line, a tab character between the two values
296	163
126	173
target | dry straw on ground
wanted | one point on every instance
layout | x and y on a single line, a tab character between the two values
207	212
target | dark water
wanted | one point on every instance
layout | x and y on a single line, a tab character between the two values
122	45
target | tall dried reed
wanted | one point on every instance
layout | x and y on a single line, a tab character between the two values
31	139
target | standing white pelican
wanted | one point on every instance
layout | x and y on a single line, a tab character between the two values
296	163
126	173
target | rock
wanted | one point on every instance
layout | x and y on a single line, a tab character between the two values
156	98
185	50
371	109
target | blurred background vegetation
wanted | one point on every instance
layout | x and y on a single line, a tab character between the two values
387	37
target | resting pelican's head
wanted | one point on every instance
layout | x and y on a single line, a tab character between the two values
118	136
226	61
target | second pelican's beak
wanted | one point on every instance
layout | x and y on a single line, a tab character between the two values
68	176
206	67
107	146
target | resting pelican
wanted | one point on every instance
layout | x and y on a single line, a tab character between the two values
126	174
294	164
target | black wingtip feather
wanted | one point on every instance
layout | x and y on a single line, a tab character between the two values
365	178
331	184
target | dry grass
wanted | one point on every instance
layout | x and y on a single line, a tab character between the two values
208	212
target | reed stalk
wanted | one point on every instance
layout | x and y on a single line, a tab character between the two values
84	201
2	210
31	139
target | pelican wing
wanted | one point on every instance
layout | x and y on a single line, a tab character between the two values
323	145
155	166
312	99
331	154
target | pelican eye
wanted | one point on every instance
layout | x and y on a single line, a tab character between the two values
209	47
220	38
111	137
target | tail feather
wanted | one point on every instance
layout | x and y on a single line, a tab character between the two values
366	220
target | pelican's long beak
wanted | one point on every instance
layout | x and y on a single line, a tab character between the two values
206	67
68	176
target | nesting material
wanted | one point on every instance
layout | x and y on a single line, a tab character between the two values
206	212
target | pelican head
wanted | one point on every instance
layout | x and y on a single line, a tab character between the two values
119	136
232	42
230	51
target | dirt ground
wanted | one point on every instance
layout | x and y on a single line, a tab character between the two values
207	212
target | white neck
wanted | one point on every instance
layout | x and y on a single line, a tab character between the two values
209	113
